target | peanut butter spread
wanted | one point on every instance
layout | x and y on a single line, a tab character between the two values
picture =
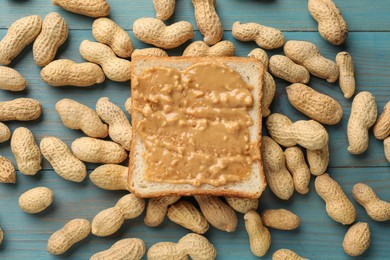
195	125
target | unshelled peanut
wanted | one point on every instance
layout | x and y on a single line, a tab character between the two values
259	236
286	254
338	206
20	109
318	160
108	32
261	55
208	21
386	148
26	151
128	105
357	239
201	49
72	232
347	74
166	251
36	200
315	105
164	8
377	209
296	165
11	80
281	219
242	205
382	126
75	115
93	150
279	179
64	163
5	133
7	171
284	68
128	248
154	31
197	247
309	134
331	24
119	129
20	34
65	72
91	8
152	52
218	213
308	55
54	33
110	177
157	209
108	221
363	116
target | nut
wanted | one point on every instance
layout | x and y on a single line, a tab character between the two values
242	205
54	33
296	165
36	200
110	177
357	239
363	116
261	55
286	254
308	55
208	21
338	206
197	247
154	31
157	208
278	178
382	126
64	163
281	219
266	37
347	73
65	72
26	151
259	236
284	68
201	49
128	248
318	160
20	109
166	251
164	8
11	80
91	8
7	171
75	115
149	52
5	133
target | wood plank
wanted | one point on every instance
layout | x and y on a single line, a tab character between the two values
360	15
318	237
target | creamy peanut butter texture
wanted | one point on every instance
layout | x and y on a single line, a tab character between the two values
195	125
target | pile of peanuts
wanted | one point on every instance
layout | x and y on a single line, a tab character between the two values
286	171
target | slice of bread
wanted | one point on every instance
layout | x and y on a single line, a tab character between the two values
252	71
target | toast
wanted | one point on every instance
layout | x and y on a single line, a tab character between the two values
252	72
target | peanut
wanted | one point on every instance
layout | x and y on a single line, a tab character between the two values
318	160
259	236
108	221
119	129
331	24
116	69
377	209
281	219
54	33
347	74
75	115
296	165
218	213
164	8
338	206
91	8
154	31
64	163
20	109
157	208
269	86
128	248
108	32
11	80
357	239
284	68
36	200
197	247
313	104
128	105
242	205
363	116
65	72
20	34
308	134
5	133
7	171
1	236
266	37
278	178
149	52
308	55
74	231
26	151
166	251
286	254
93	150
110	177
386	147
382	126
201	49
188	216
208	21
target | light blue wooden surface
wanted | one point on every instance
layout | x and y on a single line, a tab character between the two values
318	237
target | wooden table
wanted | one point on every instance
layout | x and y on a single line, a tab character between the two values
319	237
